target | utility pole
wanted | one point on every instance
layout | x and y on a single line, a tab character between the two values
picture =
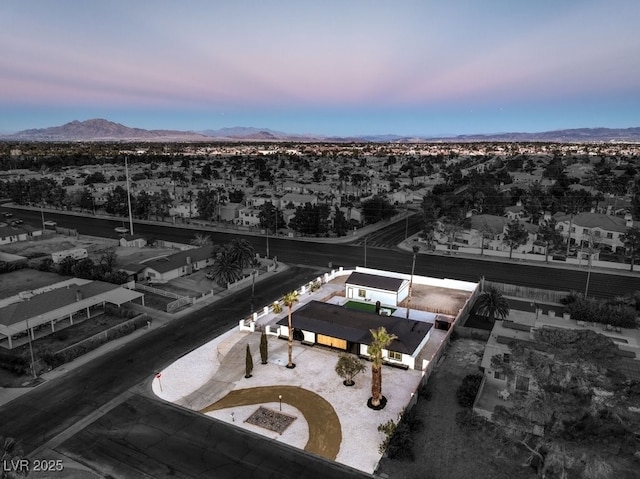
413	267
42	214
365	251
33	362
126	170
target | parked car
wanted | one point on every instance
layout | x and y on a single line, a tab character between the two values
210	276
50	224
7	215
121	229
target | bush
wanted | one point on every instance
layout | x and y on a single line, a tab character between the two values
16	364
468	390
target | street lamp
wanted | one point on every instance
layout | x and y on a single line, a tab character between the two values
365	251
280	398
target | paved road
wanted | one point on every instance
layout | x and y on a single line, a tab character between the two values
52	408
603	285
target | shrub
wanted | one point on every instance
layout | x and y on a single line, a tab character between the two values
466	393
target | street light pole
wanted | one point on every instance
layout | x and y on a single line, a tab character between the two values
280	398
126	170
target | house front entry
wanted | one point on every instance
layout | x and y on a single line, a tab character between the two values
331	342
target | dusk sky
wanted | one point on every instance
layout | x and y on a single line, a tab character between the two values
345	67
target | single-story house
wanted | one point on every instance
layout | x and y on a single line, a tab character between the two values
350	330
133	241
371	287
165	268
33	312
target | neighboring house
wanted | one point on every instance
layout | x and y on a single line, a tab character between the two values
10	234
491	227
249	216
520	326
297	200
230	211
516	212
370	287
350	330
60	306
165	268
132	241
603	230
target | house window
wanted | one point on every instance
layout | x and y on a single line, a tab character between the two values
573	229
597	233
585	231
499	375
506	357
395	356
362	293
560	228
609	235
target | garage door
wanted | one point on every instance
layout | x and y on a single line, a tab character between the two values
331	341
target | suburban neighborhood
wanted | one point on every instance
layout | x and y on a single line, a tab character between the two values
366	347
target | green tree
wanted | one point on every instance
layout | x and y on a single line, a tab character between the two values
248	366
549	234
377	209
381	339
340	223
348	366
264	347
515	236
225	269
492	304
271	217
632	244
201	239
289	300
242	252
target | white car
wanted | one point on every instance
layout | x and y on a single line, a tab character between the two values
50	224
121	230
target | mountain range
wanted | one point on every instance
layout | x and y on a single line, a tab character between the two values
105	130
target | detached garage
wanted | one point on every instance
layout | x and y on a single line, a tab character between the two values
372	287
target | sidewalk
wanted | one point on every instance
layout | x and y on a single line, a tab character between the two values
160	319
407	245
218	228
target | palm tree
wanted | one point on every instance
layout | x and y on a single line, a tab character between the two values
201	239
225	269
242	252
289	300
381	339
491	304
10	450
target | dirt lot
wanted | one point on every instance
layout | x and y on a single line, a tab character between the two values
443	450
25	280
55	242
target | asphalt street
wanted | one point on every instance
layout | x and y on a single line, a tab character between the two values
389	257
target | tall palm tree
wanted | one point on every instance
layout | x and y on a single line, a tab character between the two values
225	269
289	300
242	252
381	339
491	304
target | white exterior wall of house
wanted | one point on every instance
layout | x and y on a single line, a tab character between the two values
580	235
405	359
13	238
157	277
362	293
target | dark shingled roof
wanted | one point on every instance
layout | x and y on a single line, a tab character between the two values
354	326
374	281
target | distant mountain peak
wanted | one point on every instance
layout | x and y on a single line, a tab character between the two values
99	129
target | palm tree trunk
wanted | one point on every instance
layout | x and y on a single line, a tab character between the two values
290	342
376	385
